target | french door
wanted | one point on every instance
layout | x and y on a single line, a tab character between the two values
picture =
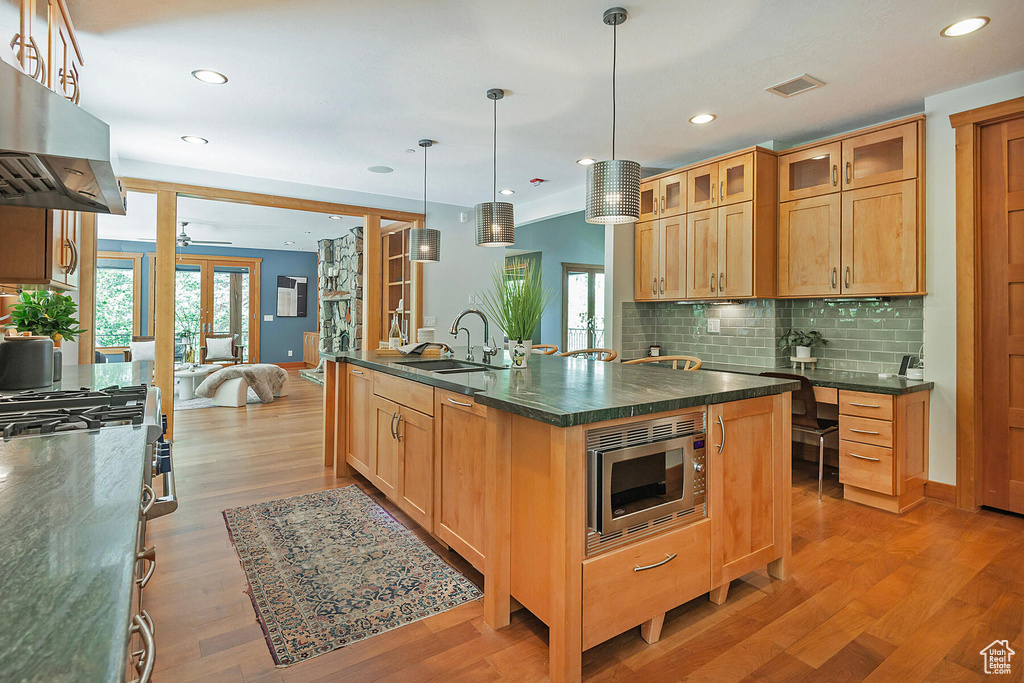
582	306
216	296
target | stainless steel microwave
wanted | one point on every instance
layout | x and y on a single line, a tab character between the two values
640	482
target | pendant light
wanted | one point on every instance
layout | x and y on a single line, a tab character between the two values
425	243
495	224
613	187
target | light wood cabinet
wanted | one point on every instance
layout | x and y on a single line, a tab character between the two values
736	250
650	200
736	179
749	484
414	433
359	448
702	187
809	246
880	239
660	254
460	427
810	172
702	247
672	190
646	264
385	460
883	156
40	248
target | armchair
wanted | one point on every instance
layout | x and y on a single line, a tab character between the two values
226	350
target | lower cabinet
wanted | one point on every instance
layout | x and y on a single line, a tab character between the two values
415	435
748	483
386	452
460	474
358	403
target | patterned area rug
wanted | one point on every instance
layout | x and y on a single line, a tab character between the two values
330	568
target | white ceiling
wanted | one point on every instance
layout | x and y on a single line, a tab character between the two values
321	89
245	226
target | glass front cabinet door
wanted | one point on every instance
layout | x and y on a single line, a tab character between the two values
810	173
673	195
736	179
650	199
885	156
702	187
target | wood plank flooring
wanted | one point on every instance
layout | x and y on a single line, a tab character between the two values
873	597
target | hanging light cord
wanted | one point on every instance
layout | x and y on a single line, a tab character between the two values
615	54
424	186
494	157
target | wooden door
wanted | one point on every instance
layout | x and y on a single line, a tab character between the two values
736	250
416	479
359	447
646	243
702	254
672	264
460	427
879	243
736	179
1002	315
673	195
650	200
702	187
745	457
885	156
386	453
810	173
809	246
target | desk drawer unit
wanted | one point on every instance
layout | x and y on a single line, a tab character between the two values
866	466
865	430
859	404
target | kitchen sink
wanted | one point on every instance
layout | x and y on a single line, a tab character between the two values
446	366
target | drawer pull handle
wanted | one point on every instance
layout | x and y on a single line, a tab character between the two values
357	372
668	558
148	498
460	403
863	457
862	431
864	405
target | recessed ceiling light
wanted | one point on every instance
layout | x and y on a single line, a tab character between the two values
506	192
703	118
194	139
410	151
963	27
335	218
586	161
211	77
290	242
380	169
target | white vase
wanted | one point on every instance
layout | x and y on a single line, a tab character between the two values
519	352
803	352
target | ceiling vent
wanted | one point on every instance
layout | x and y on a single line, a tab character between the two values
795	86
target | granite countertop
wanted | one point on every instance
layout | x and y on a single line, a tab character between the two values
837	379
69	508
99	375
572	391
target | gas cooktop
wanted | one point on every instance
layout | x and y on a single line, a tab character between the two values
50	412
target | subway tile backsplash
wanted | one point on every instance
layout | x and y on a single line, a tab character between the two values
863	335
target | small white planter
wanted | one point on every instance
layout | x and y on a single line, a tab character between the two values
803	352
519	351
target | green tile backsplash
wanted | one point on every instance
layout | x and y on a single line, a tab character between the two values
863	335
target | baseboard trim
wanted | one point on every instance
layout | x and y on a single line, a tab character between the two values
297	364
944	493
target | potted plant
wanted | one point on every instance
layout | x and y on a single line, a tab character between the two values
802	341
48	315
516	305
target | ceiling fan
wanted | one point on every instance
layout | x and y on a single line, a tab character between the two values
184	240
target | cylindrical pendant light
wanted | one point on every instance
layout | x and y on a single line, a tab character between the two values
495	223
425	243
613	187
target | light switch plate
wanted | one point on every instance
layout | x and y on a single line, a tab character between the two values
714	325
289	353
268	318
429	321
472	299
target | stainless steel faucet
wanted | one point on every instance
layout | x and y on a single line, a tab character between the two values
490	348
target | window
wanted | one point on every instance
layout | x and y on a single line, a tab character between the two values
582	306
118	299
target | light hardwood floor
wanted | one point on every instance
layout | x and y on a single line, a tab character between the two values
872	596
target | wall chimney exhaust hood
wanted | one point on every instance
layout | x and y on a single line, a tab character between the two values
53	154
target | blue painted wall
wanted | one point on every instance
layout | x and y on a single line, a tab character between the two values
275	337
564	239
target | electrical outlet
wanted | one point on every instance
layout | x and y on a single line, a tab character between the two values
289	353
472	299
714	326
268	318
429	321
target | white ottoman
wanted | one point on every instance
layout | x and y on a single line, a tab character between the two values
234	393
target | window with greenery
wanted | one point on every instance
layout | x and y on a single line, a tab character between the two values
116	305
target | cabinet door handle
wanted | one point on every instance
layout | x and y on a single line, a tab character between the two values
847	276
835	175
662	285
862	457
398	425
720	276
668	558
459	403
712	282
847	172
863	405
712	192
862	431
722	425
357	372
833	278
654	286
663	205
721	191
393	416
146	504
74	257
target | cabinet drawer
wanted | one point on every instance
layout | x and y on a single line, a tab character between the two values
404	392
869	467
865	430
616	597
859	404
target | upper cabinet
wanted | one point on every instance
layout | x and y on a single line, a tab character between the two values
810	173
885	156
736	179
663	197
40	248
660	255
702	187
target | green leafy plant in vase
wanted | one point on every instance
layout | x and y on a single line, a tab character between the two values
50	315
802	341
516	304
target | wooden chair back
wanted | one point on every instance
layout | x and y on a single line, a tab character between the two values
236	349
546	349
689	362
805	406
605	355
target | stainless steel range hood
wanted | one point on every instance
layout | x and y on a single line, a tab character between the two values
53	154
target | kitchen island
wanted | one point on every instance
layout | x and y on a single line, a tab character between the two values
499	465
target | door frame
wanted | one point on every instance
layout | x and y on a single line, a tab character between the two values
968	126
592	268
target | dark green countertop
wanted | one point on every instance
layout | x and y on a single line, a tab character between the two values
100	375
572	391
837	379
69	509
